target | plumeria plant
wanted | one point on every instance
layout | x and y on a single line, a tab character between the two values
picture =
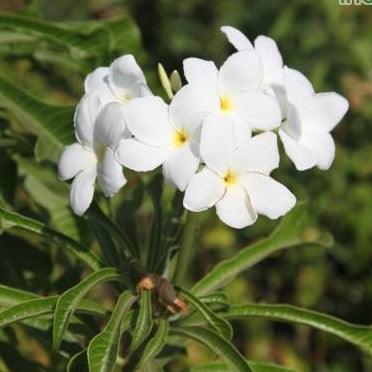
209	142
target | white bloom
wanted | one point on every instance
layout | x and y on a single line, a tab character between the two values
310	118
268	50
235	91
98	131
167	135
120	82
236	178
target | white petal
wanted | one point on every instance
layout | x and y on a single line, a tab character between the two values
110	174
110	125
292	125
236	38
96	79
235	208
126	77
268	196
85	115
302	156
297	85
242	131
325	111
198	70
271	58
260	154
82	190
259	110
180	167
204	190
323	147
74	159
241	71
97	82
147	118
136	155
217	142
191	104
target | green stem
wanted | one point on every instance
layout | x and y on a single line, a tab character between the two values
186	250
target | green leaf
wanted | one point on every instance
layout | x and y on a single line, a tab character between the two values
79	362
155	189
103	349
11	296
144	321
291	232
356	334
53	123
69	300
255	366
42	306
221	326
216	299
187	247
10	219
82	46
156	344
220	346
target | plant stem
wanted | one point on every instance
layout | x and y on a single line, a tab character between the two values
186	250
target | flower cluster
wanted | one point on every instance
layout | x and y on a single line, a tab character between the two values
217	138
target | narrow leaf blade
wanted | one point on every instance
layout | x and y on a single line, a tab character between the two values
289	233
356	334
102	350
68	301
223	348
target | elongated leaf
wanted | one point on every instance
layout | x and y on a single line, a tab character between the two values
83	46
42	306
11	296
79	362
69	300
144	321
223	348
10	219
53	123
155	189
255	366
103	349
156	344
221	326
356	334
217	299
290	233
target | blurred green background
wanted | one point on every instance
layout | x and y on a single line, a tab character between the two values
332	45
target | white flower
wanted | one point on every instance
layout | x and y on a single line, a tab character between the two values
98	131
235	91
310	117
120	82
167	135
236	178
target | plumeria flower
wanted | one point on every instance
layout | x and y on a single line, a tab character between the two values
309	119
167	135
272	62
236	178
120	82
98	130
235	91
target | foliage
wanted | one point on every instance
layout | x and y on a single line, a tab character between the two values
111	326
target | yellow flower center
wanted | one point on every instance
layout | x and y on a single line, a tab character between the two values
100	152
180	137
226	104
230	178
126	97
